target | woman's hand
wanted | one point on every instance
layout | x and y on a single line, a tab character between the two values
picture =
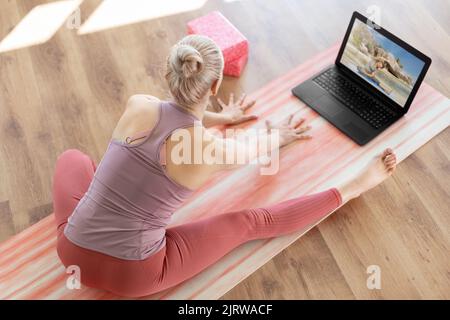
234	112
290	130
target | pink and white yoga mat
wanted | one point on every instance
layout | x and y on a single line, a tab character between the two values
29	266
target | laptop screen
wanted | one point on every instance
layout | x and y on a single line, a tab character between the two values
378	60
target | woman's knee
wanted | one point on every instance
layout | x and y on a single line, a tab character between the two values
70	155
73	171
74	158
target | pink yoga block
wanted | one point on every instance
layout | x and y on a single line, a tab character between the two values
230	40
234	68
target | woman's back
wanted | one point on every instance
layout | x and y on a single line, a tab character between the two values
131	198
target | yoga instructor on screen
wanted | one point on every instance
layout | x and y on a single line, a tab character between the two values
112	220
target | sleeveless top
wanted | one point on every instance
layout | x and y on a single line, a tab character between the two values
131	198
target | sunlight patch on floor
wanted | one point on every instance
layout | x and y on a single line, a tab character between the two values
39	25
115	13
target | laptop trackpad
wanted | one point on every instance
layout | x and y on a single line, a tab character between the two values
354	130
328	106
331	109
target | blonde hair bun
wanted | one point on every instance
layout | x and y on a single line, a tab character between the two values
193	65
190	60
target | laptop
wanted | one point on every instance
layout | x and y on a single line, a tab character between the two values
370	86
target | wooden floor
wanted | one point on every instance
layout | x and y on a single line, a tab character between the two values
70	92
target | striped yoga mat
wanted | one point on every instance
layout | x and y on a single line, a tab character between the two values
29	266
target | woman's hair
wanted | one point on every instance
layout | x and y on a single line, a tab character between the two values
193	65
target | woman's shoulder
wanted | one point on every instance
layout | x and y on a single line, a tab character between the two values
141	105
142	101
141	114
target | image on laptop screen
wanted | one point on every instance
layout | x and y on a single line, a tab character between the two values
381	62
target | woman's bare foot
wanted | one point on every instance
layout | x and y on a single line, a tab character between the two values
379	169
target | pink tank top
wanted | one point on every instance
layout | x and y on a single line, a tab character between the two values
130	200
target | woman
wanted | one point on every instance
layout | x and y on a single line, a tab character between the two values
112	220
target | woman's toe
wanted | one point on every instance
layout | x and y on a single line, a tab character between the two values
386	159
387	152
390	160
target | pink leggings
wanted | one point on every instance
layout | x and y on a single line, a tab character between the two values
190	247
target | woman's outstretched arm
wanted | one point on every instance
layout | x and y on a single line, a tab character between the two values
244	147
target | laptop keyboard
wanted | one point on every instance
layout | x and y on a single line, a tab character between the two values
359	101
